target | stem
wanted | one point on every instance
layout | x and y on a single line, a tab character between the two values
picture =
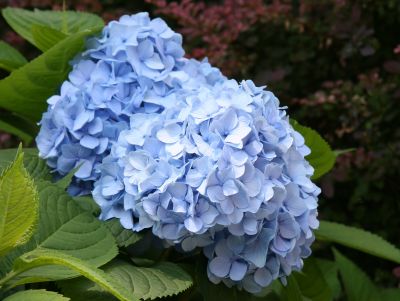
7	278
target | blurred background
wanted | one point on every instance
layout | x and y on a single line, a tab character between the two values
334	63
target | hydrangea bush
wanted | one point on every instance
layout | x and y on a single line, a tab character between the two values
171	177
172	145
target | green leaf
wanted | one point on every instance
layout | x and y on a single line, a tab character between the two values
357	239
88	204
161	280
35	166
25	91
356	283
36	295
46	37
40	258
81	289
123	237
391	294
330	273
312	283
66	22
18	206
17	126
64	182
292	290
10	58
65	227
322	158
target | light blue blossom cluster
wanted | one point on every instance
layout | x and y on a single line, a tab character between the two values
172	145
134	59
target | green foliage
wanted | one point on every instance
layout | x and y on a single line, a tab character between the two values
88	204
18	206
161	280
36	295
33	25
358	286
322	158
356	283
312	282
61	35
357	239
292	291
330	273
36	167
25	91
10	58
20	127
40	257
123	237
70	241
46	37
390	294
64	182
64	227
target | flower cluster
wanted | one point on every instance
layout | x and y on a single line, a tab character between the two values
172	145
134	59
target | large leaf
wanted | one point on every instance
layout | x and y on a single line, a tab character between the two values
392	294
124	237
35	166
10	58
66	227
26	90
18	126
312	283
87	203
291	291
36	295
330	273
65	181
357	239
67	22
161	280
38	258
322	158
356	283
18	206
46	37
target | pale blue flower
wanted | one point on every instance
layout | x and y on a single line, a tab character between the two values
130	68
220	167
169	144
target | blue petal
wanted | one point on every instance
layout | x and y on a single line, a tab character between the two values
263	277
220	266
238	271
256	252
193	224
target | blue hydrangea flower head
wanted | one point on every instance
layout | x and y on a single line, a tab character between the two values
217	167
134	60
169	144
